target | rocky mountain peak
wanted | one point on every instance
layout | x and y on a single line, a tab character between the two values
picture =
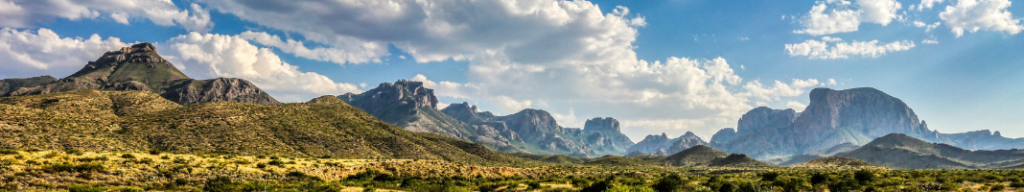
407	90
762	118
607	124
139	67
690	135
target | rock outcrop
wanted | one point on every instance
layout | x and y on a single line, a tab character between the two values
139	67
410	105
838	118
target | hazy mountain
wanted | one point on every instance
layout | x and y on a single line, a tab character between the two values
663	145
903	151
139	67
138	121
845	117
413	107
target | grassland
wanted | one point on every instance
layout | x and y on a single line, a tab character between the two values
155	171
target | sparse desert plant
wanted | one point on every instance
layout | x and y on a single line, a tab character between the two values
128	156
69	167
9	152
154	151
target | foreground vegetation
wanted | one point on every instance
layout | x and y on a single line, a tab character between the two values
118	171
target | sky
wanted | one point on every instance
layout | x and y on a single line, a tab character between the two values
658	66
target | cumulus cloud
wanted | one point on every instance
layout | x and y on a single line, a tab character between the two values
355	53
928	27
26	13
972	15
835	48
846	16
213	55
573	56
928	4
796	106
41	52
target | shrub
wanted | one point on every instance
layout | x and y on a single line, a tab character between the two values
1017	183
128	156
74	151
154	151
769	176
261	165
276	162
998	187
85	188
146	161
864	176
8	152
670	183
819	178
220	184
131	189
68	167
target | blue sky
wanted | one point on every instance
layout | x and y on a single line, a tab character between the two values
658	66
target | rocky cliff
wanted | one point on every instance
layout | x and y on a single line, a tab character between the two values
139	67
413	107
839	117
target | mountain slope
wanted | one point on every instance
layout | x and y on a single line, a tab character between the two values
138	121
903	151
139	67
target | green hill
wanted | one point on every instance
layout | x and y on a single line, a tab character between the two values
139	121
902	151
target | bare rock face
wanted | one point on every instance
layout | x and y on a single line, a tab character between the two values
724	136
140	68
840	117
413	107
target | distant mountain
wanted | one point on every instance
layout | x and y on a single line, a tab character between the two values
663	145
904	151
413	107
845	117
139	121
139	67
702	155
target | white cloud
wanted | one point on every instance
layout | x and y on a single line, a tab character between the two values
213	55
354	53
972	15
841	50
799	107
568	120
928	27
831	82
798	86
927	4
572	57
931	40
842	18
42	52
22	14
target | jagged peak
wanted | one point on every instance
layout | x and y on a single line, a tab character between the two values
598	123
690	134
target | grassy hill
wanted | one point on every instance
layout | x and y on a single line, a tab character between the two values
899	150
93	120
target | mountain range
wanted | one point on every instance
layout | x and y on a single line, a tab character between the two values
410	105
837	118
132	99
139	67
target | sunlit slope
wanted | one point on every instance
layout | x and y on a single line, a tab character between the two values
137	121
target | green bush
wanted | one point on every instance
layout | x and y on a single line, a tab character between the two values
85	188
68	167
220	184
670	183
768	176
8	152
154	151
128	156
